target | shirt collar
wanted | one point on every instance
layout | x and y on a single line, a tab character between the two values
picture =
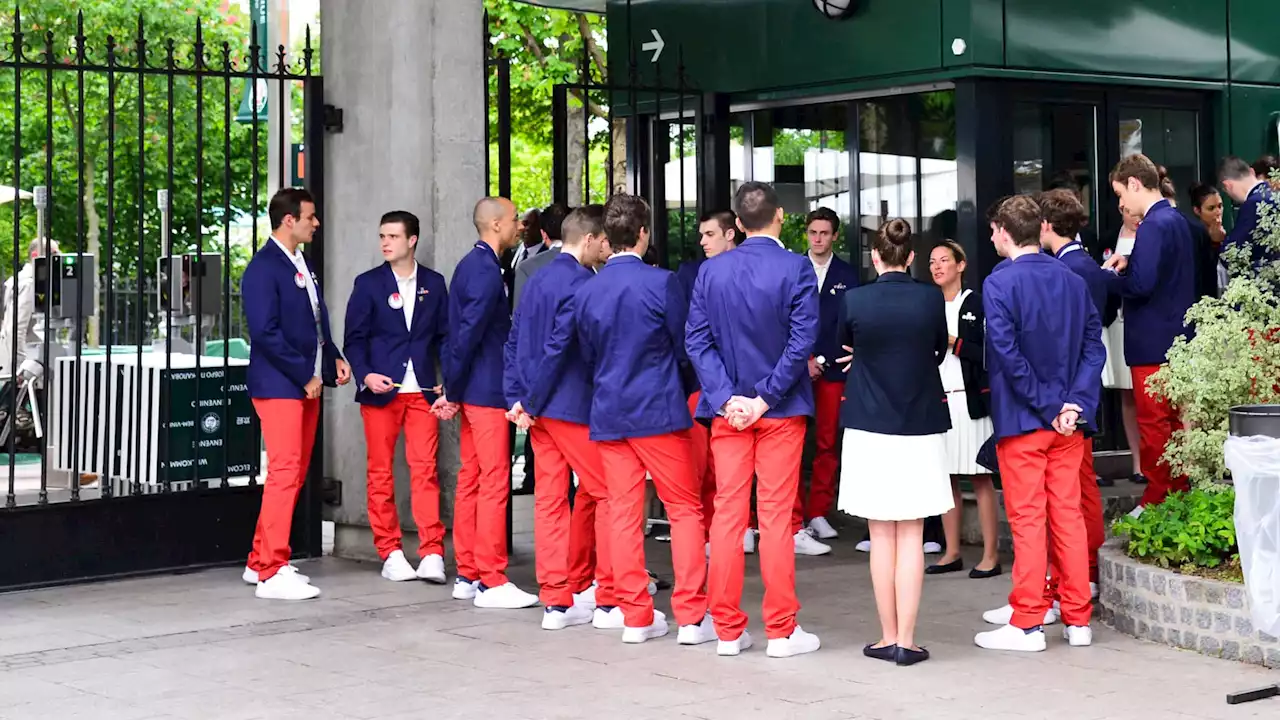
295	255
1073	245
413	276
1257	188
625	254
556	244
818	264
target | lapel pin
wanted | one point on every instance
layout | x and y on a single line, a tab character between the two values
395	301
300	281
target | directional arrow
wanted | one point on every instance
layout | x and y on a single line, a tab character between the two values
656	46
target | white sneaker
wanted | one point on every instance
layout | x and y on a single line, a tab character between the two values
285	586
807	544
250	577
396	569
556	619
703	632
823	528
504	597
1093	591
749	542
799	643
1004	615
1078	635
464	589
656	629
732	648
863	546
1011	638
1136	511
586	598
610	619
932	548
431	569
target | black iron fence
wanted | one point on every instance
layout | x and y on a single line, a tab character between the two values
136	148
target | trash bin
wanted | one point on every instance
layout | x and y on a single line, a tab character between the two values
1252	454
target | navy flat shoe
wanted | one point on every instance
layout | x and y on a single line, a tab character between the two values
888	652
977	574
955	566
907	656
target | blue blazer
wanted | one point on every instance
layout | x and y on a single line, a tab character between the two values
479	321
544	370
687	274
282	329
1247	222
1044	345
751	328
1158	286
841	277
630	320
1097	280
376	339
897	328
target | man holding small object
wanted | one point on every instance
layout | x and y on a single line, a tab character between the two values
291	357
396	326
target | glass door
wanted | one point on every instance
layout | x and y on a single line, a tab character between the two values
1055	145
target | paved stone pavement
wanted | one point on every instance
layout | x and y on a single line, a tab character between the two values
200	646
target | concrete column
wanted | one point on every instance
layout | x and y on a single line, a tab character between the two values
409	76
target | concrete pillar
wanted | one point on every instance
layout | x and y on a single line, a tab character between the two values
409	76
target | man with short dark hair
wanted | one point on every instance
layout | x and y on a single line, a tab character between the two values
1247	190
751	329
630	319
291	357
835	277
478	325
1044	355
396	328
552	221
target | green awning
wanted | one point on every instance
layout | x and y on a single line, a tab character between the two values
592	6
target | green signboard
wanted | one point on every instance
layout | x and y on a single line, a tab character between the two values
209	432
247	111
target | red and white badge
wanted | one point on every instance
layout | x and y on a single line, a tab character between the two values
300	281
395	301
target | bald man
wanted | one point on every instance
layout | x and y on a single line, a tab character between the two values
479	322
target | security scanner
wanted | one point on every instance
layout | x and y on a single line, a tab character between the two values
190	298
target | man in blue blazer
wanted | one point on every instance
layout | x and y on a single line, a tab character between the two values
291	357
1045	355
835	277
549	391
1158	286
630	321
1247	191
479	321
397	323
750	333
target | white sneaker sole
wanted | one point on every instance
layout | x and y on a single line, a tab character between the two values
433	579
608	623
635	636
733	648
695	636
1031	646
560	622
311	594
776	650
464	592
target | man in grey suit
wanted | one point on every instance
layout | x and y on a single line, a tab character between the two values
552	219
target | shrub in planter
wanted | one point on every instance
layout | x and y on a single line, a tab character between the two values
1190	530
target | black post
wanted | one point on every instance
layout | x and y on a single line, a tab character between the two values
310	510
713	153
560	144
985	169
504	127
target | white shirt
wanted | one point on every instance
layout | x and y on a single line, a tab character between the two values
408	288
300	264
821	270
952	375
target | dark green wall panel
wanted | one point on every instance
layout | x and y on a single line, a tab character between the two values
1253	118
1255	41
980	23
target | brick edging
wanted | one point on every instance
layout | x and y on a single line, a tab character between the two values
1205	616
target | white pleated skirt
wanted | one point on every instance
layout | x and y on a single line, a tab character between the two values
894	477
1115	373
965	438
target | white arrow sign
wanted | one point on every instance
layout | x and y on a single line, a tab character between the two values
656	46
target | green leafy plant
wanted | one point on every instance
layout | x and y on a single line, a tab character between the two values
1195	528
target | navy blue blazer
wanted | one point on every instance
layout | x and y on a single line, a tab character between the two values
897	328
751	328
841	277
479	322
1097	280
687	274
1247	222
630	320
376	339
282	328
1158	286
545	372
1044	345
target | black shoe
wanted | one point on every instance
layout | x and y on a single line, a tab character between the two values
977	574
1138	479
1106	482
907	656
955	566
888	652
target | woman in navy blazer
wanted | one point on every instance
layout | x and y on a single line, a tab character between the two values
894	465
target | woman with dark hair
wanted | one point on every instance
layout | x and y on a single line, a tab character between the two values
1206	225
964	379
894	471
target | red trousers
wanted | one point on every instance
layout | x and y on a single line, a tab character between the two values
703	466
564	541
411	414
1040	472
826	463
1094	523
289	433
484	488
770	450
667	459
1157	421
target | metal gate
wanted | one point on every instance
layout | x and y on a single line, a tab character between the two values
139	158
